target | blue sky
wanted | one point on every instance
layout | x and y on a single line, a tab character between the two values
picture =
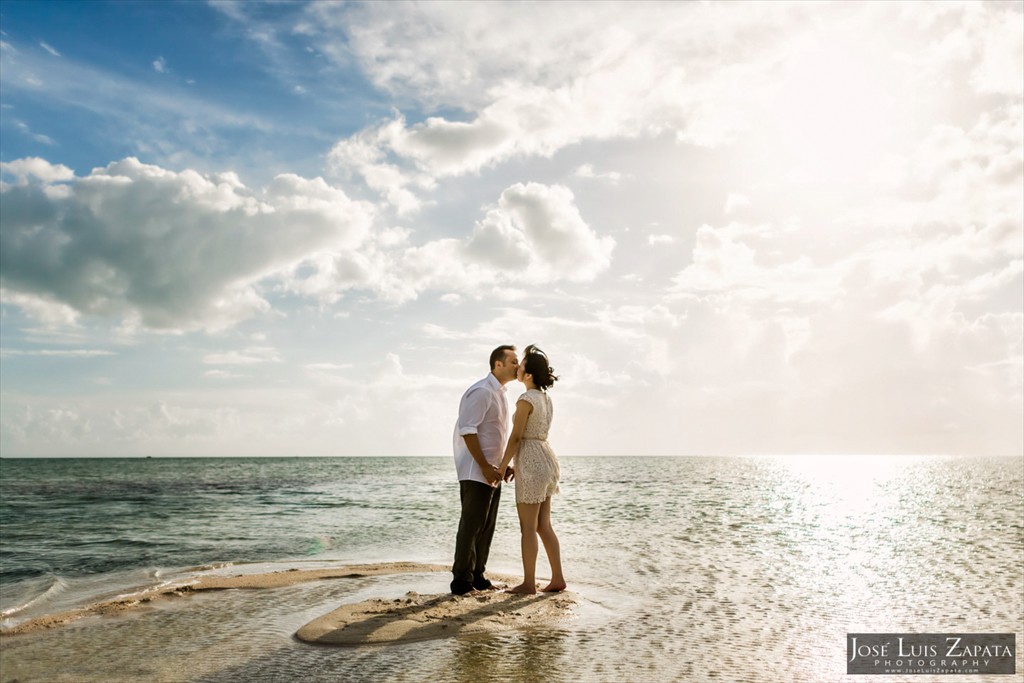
185	76
299	228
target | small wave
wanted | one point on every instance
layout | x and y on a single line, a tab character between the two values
209	567
164	580
56	586
143	592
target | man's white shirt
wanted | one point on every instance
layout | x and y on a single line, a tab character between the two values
483	411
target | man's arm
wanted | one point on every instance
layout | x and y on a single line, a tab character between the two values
489	470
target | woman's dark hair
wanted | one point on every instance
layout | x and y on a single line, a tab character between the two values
535	364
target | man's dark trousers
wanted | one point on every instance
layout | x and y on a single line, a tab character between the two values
476	529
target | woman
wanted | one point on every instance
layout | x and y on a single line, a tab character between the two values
536	470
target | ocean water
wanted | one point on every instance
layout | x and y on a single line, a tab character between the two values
690	569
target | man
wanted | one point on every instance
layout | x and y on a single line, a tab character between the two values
479	443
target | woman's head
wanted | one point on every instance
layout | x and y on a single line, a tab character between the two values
535	363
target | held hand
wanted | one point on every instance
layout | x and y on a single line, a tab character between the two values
508	474
491	475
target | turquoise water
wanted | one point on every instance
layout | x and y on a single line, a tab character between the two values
734	569
69	518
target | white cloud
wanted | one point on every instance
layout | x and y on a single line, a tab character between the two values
159	248
38	137
49	49
137	240
998	34
56	353
655	240
538	230
221	374
534	234
129	427
413	407
328	366
726	264
34	167
440	332
452	298
735	202
889	325
231	8
587	171
705	73
456	55
249	356
526	97
160	65
366	154
52	314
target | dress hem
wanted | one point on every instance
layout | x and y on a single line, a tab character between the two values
534	502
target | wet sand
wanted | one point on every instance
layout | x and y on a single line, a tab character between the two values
374	621
426	617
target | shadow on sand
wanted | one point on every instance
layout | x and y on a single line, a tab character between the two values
418	617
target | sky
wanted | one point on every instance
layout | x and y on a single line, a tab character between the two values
299	229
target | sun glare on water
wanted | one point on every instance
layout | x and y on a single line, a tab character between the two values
847	483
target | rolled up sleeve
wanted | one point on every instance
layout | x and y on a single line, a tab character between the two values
472	411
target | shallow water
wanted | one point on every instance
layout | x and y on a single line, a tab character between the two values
692	569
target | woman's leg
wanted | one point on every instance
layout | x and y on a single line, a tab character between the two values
528	514
551	547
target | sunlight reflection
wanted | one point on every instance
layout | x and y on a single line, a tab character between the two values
841	514
847	485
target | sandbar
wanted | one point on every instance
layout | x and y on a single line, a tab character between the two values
215	582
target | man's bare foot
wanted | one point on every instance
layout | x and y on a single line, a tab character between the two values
554	587
523	589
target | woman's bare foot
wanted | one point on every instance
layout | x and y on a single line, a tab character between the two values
523	589
554	587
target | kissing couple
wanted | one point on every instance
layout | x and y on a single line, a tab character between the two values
486	455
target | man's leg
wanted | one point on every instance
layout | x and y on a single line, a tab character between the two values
476	503
483	542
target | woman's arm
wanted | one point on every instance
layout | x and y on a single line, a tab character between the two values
523	410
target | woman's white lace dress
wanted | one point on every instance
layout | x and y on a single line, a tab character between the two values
536	466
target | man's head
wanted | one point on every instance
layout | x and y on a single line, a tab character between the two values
504	363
